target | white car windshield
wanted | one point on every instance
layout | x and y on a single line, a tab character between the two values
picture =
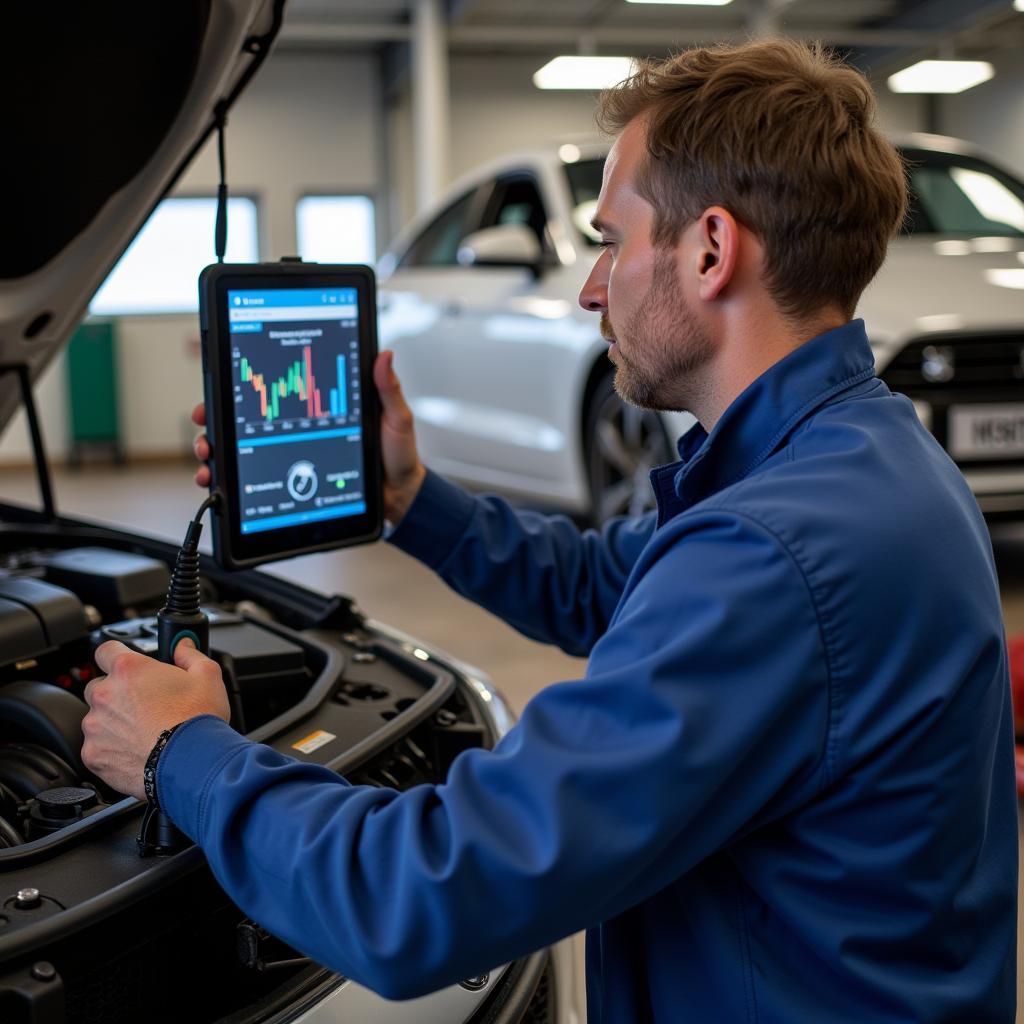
950	194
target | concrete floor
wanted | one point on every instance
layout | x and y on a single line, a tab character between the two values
387	585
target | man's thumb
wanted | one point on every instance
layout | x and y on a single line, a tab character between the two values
186	654
386	380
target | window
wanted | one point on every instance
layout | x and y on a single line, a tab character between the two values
585	185
438	244
517	201
952	194
336	229
159	271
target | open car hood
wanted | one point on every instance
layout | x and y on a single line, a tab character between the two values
107	104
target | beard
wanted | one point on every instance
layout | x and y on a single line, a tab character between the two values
667	345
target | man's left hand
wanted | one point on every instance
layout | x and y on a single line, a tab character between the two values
137	700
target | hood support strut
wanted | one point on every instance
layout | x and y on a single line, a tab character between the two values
38	450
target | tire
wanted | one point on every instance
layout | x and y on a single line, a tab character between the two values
622	444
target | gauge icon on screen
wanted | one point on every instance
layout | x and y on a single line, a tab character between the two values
302	481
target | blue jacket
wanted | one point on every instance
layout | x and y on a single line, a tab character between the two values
783	791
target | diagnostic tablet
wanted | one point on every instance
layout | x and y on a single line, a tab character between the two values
291	411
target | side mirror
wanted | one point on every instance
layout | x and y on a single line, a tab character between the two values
504	245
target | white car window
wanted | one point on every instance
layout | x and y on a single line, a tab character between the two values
517	200
585	185
438	244
962	195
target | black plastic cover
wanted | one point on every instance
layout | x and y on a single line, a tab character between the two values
59	612
110	580
21	634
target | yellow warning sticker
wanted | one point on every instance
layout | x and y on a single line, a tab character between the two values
314	741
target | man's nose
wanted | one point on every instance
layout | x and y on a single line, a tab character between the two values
594	294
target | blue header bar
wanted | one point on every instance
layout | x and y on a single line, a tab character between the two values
283	297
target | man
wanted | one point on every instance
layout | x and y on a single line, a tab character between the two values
784	790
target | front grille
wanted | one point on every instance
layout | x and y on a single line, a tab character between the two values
964	370
991	363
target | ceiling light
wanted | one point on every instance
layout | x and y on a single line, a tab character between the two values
1018	5
583	72
569	153
704	3
941	76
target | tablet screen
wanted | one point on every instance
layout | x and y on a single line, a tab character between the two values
298	406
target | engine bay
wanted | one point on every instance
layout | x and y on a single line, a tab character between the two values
306	674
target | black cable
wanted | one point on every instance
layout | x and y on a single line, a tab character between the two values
220	232
181	617
212	501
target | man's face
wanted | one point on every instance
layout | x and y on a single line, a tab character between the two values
657	341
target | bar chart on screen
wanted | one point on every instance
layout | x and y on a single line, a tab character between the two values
279	384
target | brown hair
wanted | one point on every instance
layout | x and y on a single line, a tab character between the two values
779	133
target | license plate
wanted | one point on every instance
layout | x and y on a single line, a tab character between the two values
987	431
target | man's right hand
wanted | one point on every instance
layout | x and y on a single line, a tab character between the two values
403	471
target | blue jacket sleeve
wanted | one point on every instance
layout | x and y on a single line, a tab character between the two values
704	712
538	573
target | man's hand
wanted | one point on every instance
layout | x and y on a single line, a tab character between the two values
136	701
403	471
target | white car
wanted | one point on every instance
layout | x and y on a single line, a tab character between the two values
510	382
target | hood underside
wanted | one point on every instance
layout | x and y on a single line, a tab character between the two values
107	104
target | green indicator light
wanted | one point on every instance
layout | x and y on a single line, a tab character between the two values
340	484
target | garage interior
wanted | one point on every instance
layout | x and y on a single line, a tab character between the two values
386	103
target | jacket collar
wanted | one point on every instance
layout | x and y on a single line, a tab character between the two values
759	421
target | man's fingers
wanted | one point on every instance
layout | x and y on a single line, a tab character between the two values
396	409
201	447
203	476
109	653
90	689
199	415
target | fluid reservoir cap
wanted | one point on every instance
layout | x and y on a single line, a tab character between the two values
65	802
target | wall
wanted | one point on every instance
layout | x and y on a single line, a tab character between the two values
495	108
992	114
307	123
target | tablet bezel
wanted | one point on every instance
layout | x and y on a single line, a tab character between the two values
232	549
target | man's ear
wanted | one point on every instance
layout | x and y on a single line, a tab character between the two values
717	243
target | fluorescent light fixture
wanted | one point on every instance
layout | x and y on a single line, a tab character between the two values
941	76
583	72
697	3
1018	5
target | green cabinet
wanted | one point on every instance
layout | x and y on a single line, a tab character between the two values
93	418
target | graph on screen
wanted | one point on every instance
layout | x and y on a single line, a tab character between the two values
297	393
279	384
